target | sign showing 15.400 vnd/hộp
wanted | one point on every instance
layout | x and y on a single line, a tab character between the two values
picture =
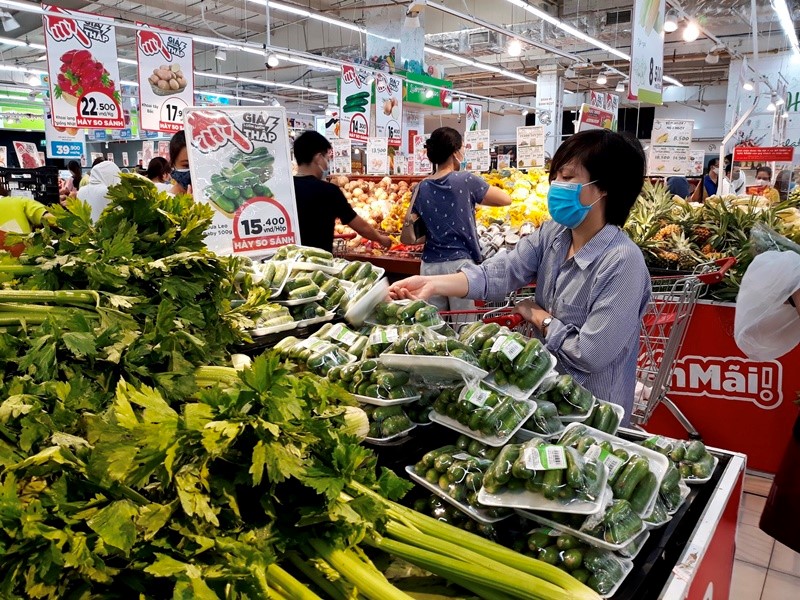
356	102
166	80
239	162
83	71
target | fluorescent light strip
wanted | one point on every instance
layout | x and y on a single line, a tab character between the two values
127	82
242	98
672	80
12	42
127	61
22	70
280	6
287	86
308	62
480	65
785	18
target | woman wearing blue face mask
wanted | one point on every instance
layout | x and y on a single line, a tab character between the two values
592	285
179	159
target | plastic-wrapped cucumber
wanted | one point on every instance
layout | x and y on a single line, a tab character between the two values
607	570
620	522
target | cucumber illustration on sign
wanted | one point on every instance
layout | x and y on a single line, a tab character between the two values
356	102
234	186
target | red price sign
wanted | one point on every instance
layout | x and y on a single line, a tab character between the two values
262	224
171	115
763	154
97	109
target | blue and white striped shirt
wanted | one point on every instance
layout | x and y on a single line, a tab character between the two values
597	299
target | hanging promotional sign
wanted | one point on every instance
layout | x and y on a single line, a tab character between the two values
342	154
166	80
83	71
763	154
477	150
110	156
240	165
28	155
400	164
607	102
125	161
139	157
592	117
63	142
163	150
419	164
670	147
378	156
474	114
530	147
389	108
3	156
647	51
356	99
96	155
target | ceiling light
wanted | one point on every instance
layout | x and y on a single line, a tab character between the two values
411	22
784	115
712	58
785	18
429	93
671	21
126	61
220	55
525	112
620	87
34	80
272	60
771	106
748	85
514	47
8	20
691	32
275	102
601	78
12	42
778	101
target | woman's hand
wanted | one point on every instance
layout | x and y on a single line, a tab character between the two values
531	312
417	287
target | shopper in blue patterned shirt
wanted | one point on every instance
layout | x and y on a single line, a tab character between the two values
446	202
592	286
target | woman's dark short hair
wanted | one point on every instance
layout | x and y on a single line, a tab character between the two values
176	144
158	167
308	144
616	163
442	144
714	162
765	169
74	166
98	160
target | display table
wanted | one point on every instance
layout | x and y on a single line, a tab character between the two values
735	403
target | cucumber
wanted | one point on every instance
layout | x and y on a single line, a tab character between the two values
572	558
499	473
406	314
704	467
549	555
308	291
643	492
538	540
678	452
621	523
572	436
319	278
671	479
566	541
553	481
392	379
695	450
298	283
631	475
575	467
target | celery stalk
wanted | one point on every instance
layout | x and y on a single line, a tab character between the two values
325	586
74	297
292	587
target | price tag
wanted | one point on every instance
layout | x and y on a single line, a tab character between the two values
172	111
98	105
384	336
545	458
260	223
343	334
611	461
476	396
507	345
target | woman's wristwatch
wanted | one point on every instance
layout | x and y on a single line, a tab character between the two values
545	324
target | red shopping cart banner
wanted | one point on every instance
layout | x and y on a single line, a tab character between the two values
762	154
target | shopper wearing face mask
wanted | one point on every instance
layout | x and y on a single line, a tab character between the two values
763	185
708	186
592	285
320	203
179	159
445	202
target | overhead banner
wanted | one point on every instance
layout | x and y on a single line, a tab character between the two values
593	117
477	151
419	163
63	142
378	156
608	103
389	108
28	155
163	149
355	96
670	147
530	147
240	165
342	156
647	51
3	156
474	114
83	71
125	161
166	78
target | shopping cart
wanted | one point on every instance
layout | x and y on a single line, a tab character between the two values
500	313
664	328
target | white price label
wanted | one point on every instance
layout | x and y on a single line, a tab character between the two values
611	461
384	336
508	346
98	105
498	343
545	458
476	396
341	333
172	111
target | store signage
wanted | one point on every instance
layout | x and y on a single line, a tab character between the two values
474	114
427	91
96	155
28	155
3	156
355	95
110	156
139	157
378	156
530	147
503	161
240	165
83	70
389	108
419	164
163	150
608	103
670	147
125	160
763	154
62	142
125	134
647	51
342	156
148	152
166	78
99	135
400	164
730	378
593	117
477	150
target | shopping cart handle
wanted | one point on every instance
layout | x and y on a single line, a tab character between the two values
724	264
509	321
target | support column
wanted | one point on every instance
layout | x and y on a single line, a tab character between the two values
550	106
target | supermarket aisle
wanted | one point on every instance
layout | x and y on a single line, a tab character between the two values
764	569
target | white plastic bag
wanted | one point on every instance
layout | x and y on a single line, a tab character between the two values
766	327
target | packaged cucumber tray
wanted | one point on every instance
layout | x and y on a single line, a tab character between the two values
373	384
573	401
442	510
387	424
455	473
362	301
309	259
544	423
536	475
406	312
599	569
480	413
635	473
694	462
274	318
517	365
